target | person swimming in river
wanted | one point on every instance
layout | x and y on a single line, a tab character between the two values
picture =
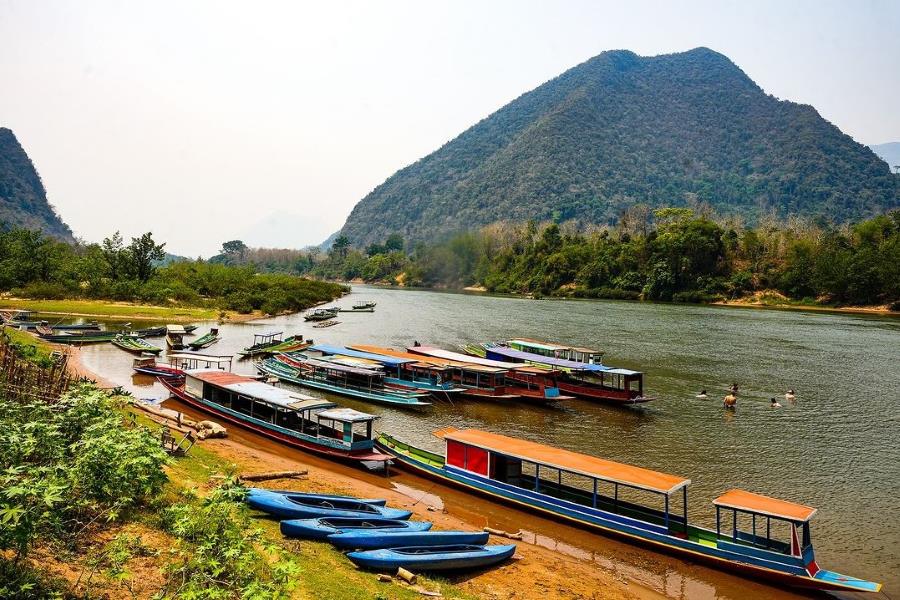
775	403
702	394
789	395
730	401
734	389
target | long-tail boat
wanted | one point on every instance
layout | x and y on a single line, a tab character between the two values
404	372
81	337
206	340
353	382
478	382
552	350
131	343
271	343
321	314
531	383
593	381
175	337
308	423
570	486
364	304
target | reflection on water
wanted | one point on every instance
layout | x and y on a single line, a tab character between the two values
834	448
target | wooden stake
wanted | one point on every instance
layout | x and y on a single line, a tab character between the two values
407	576
385	578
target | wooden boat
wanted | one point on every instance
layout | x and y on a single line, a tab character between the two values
37	325
567	485
329	323
151	332
364	304
593	381
148	366
408	373
528	382
81	337
44	328
553	350
432	558
295	507
131	343
175	337
357	310
270	343
353	382
206	340
301	421
321	314
321	528
372	539
477	382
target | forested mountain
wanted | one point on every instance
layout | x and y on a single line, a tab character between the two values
621	129
23	200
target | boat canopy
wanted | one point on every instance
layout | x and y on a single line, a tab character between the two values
324	364
539	345
463	358
346	415
208	358
573	462
561	363
344	351
176	329
420	358
764	505
247	386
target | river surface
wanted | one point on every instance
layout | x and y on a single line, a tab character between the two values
836	447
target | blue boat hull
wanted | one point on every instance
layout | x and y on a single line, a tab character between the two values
320	529
282	506
433	558
295	494
372	540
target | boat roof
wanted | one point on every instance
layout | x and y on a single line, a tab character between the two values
561	363
352	361
175	329
437	362
344	351
764	505
463	358
259	390
324	364
346	415
552	347
209	358
574	462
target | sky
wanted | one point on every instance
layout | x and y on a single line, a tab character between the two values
268	121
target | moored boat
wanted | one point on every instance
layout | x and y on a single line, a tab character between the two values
287	507
301	421
147	365
81	337
432	558
322	527
206	340
131	343
265	344
175	337
321	314
309	495
567	485
353	382
364	304
372	539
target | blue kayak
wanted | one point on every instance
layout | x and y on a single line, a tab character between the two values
378	538
320	529
257	491
292	507
432	558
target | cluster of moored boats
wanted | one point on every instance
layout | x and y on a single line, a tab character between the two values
582	489
325	317
376	536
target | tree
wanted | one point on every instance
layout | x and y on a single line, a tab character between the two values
142	253
235	250
340	246
114	253
394	242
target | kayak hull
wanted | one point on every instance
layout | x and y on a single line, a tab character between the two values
285	507
320	529
432	558
298	495
375	539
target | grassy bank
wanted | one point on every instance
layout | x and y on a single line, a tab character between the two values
119	310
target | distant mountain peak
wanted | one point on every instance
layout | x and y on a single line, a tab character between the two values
621	129
23	200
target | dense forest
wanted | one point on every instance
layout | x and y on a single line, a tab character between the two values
666	254
23	200
36	266
675	130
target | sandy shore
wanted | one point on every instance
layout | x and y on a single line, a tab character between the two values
857	310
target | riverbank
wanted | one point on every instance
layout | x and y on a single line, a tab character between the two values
102	309
776	301
547	572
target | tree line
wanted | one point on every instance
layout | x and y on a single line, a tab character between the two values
670	254
33	265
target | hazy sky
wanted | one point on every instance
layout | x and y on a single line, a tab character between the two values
206	121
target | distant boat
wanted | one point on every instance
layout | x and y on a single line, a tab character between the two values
81	337
298	420
175	337
364	304
205	341
271	343
321	314
585	490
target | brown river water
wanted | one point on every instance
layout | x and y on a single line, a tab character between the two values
836	447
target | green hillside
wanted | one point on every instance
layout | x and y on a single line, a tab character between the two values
622	129
23	200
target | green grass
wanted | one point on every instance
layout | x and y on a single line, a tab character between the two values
325	573
101	308
31	347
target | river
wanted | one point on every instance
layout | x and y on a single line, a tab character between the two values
836	447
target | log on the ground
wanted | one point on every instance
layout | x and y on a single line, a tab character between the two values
506	534
274	475
210	429
385	578
407	576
